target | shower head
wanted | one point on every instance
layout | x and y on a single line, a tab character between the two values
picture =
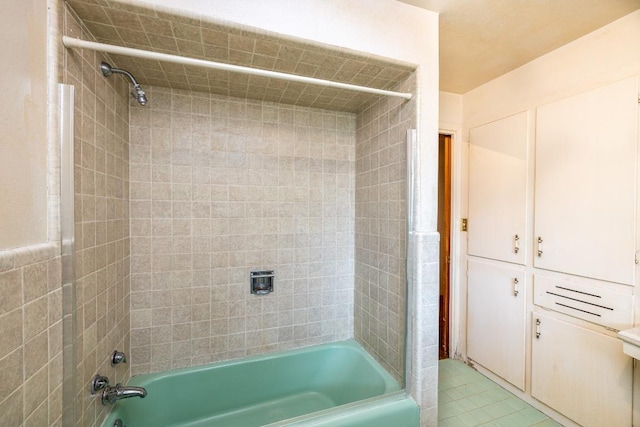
137	93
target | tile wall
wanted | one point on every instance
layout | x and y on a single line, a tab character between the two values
31	336
101	218
380	228
228	185
422	377
221	186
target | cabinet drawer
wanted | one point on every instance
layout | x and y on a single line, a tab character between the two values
594	304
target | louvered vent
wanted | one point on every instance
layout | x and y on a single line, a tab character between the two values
603	306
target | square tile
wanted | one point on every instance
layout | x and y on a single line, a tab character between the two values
468	398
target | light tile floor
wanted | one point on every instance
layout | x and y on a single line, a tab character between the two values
468	398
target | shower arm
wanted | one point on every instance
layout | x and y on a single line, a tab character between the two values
138	94
128	74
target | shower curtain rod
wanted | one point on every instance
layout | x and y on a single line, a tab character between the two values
71	42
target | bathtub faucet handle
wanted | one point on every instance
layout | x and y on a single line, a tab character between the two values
99	382
118	357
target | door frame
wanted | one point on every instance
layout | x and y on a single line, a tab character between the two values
457	266
444	227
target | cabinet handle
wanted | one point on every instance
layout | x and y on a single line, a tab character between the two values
515	286
537	328
539	246
516	243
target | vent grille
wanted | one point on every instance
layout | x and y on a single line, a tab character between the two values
603	306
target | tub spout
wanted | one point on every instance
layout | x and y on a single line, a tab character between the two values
111	395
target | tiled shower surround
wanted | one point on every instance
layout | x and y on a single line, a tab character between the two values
204	188
380	229
101	199
221	186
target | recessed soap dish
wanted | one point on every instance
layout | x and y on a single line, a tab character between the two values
262	282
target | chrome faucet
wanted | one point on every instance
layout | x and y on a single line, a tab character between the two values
111	395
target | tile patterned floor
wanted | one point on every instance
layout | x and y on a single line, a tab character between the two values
468	398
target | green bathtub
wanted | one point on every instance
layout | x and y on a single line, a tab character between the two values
337	384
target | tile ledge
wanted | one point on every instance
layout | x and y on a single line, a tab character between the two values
19	257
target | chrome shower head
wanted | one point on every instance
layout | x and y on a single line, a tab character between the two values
137	93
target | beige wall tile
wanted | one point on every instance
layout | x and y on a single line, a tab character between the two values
24	331
11	373
34	392
102	213
35	281
36	354
380	229
39	417
12	408
11	327
226	199
11	288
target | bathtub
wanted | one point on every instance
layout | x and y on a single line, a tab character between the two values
337	384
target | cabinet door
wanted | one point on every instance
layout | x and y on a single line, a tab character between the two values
498	189
582	374
496	318
585	183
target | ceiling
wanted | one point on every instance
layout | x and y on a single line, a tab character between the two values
159	30
483	39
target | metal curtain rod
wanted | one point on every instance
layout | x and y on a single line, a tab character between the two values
71	42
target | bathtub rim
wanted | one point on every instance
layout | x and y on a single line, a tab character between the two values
326	415
391	385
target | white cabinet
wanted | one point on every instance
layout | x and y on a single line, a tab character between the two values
581	210
496	318
581	373
497	189
585	183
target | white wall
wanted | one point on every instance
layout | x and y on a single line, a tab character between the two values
23	145
608	54
450	111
